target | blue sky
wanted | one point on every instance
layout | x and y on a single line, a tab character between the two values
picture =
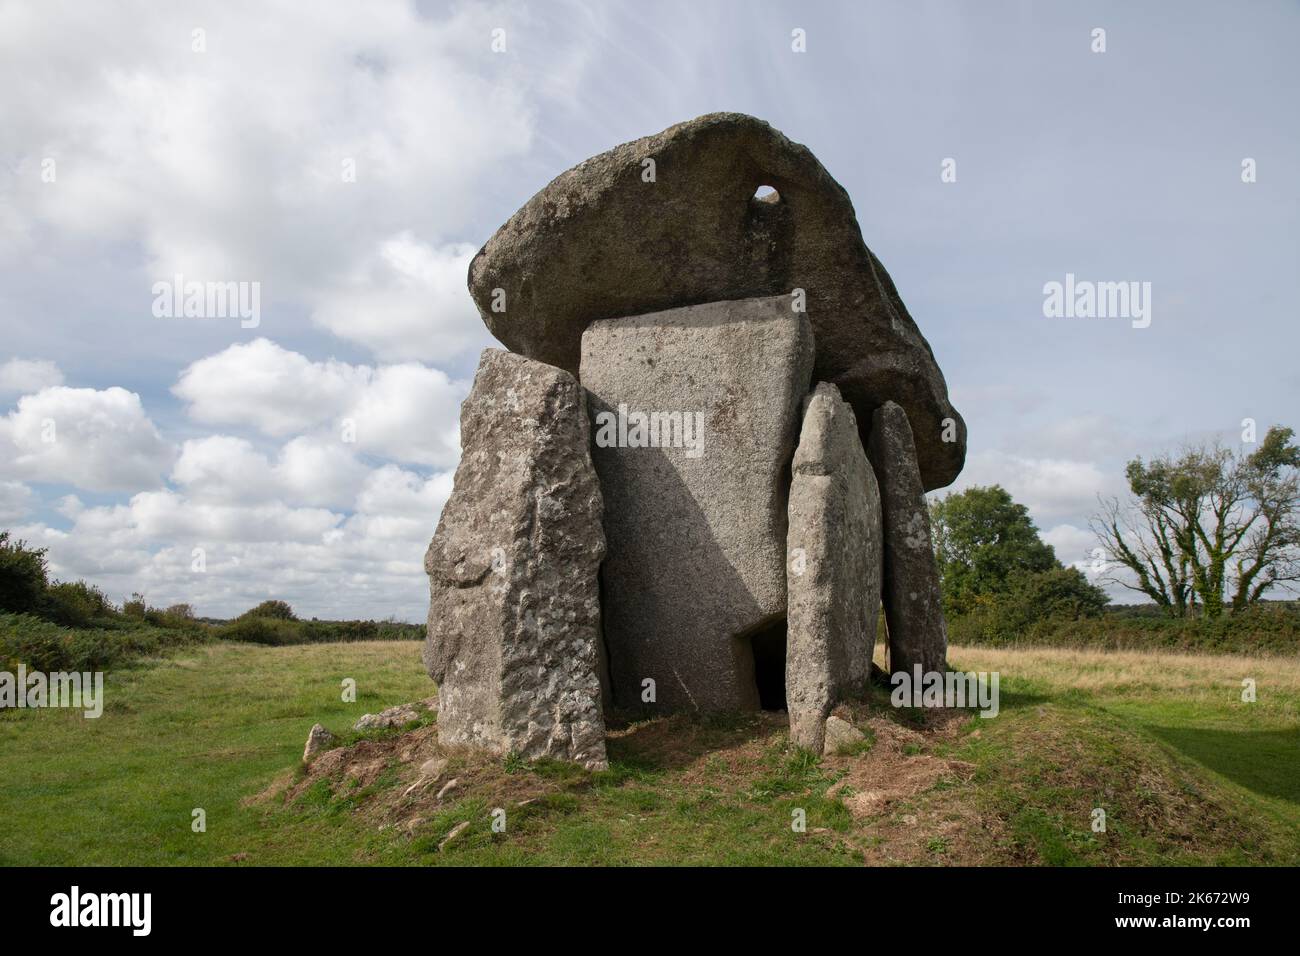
223	163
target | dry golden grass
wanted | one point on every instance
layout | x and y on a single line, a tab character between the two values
1123	671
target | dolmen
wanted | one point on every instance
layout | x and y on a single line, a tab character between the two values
699	472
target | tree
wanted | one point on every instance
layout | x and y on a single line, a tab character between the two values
1209	525
1270	554
982	538
1058	592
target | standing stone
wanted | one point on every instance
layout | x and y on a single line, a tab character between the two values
604	239
514	610
913	608
834	567
696	412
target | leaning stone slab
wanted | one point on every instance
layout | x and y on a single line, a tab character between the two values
514	611
834	567
616	236
696	412
913	609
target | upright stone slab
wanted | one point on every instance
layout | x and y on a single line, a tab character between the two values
913	608
696	412
833	568
514	610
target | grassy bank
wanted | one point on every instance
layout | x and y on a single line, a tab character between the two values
1186	772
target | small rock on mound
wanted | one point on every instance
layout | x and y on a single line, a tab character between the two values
398	716
317	740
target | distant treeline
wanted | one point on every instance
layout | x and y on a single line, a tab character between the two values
73	626
1269	627
1002	585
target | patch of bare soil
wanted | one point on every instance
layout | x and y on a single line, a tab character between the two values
910	806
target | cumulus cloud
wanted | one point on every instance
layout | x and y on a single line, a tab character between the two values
222	468
312	471
224	552
269	388
393	490
15	501
405	412
336	159
1073	545
1051	488
23	376
407	300
97	440
329	156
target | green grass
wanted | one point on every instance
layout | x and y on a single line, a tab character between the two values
1185	771
205	729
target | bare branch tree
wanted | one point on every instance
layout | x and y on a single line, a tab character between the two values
1208	524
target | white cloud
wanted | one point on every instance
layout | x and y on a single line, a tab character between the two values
15	501
269	388
326	564
393	490
410	413
407	300
333	158
307	471
222	468
97	440
165	515
1073	545
314	472
23	376
1051	488
404	412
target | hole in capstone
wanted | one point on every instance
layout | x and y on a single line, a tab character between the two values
766	194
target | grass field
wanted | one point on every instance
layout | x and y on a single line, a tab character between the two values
1184	770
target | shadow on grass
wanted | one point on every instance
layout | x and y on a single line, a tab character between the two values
1263	761
676	741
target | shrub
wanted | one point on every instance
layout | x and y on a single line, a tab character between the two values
135	607
274	631
280	610
176	617
23	576
278	631
75	604
44	646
